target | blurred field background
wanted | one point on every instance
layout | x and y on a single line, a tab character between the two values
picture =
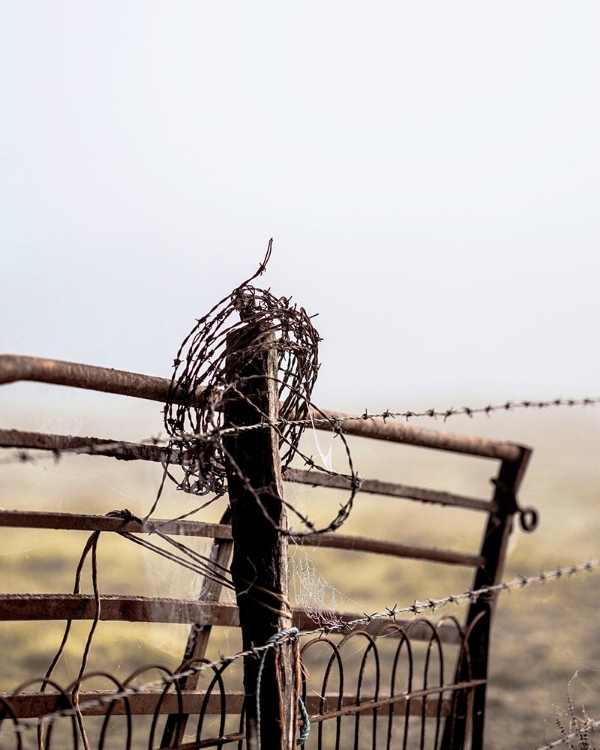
545	636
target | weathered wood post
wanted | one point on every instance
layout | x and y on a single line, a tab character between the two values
260	557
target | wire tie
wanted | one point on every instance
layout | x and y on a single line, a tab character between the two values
275	638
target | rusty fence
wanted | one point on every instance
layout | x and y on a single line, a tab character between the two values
357	681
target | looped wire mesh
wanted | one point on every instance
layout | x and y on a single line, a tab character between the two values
207	374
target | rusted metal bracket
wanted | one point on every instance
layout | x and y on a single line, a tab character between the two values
508	505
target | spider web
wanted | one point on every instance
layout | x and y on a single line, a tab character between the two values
311	592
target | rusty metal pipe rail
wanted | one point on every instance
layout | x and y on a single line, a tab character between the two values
14	368
40	519
22	607
80	522
389	489
92	446
413	702
123	608
34	704
127	451
383	547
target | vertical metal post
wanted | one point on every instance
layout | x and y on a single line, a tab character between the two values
473	664
260	557
198	638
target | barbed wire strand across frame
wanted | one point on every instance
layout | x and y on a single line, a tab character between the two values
390	613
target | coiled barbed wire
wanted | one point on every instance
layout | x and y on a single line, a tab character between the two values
210	372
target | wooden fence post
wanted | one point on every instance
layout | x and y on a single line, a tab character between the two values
260	553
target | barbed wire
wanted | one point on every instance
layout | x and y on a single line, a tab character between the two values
21	457
215	371
222	358
251	357
471	595
587	724
468	411
105	700
335	420
579	726
389	614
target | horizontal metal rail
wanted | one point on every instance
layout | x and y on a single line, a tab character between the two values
419	436
54	520
39	519
34	607
128	451
383	547
23	607
415	700
389	489
34	704
89	446
14	368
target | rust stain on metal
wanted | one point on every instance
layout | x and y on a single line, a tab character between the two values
445	441
14	368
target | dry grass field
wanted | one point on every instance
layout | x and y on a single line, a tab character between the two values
546	637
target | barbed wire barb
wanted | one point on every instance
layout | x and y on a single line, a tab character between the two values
519	583
333	421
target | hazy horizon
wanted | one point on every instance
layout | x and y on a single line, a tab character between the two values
428	173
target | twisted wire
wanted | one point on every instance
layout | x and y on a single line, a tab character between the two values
26	456
292	634
208	373
215	366
471	595
339	419
390	613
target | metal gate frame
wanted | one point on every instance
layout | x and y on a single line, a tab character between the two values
456	706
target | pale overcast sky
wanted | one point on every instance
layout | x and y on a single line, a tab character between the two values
429	171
